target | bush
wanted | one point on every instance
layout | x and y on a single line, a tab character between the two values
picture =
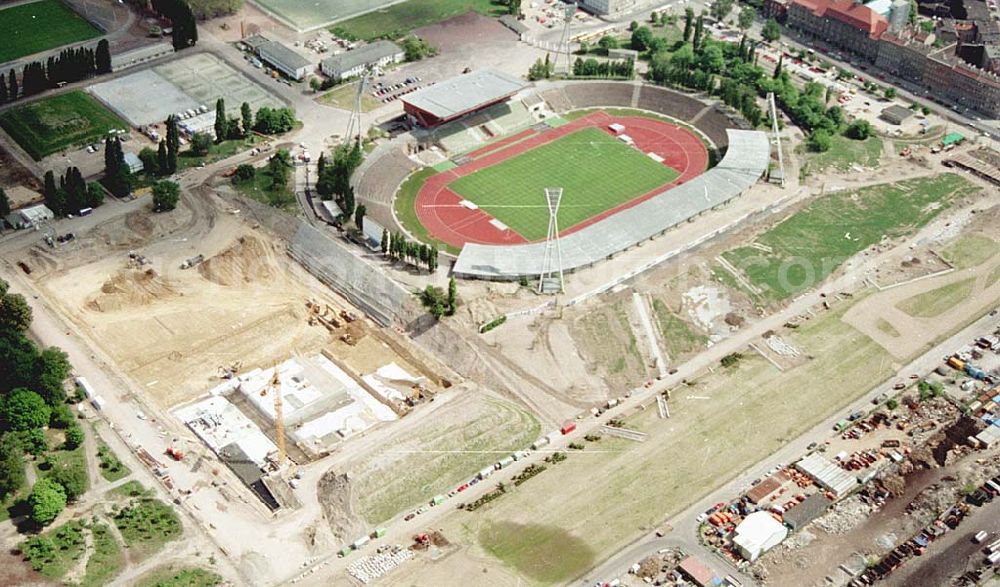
201	143
47	500
731	360
859	130
244	172
892	404
166	194
62	417
74	437
819	141
492	324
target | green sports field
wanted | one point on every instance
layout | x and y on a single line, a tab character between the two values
39	26
596	171
53	124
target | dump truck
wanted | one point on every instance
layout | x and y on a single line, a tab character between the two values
956	363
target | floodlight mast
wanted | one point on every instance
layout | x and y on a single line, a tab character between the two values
566	39
354	123
552	264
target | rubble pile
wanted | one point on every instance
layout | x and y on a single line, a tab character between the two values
845	516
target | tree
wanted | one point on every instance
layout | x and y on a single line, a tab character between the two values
819	141
632	26
359	217
385	241
607	42
452	297
4	96
771	31
61	417
150	161
15	313
201	143
220	120
688	23
272	121
4	202
173	146
746	18
12	85
514	7
699	29
720	9
51	368
244	172
73	480
74	437
432	259
859	130
712	58
415	49
892	404
46	501
12	476
165	196
890	93
642	38
246	113
24	409
102	57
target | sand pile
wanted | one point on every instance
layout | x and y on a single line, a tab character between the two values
249	260
130	288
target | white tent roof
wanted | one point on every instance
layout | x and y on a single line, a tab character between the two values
758	532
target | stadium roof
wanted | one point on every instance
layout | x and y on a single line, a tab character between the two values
745	162
465	93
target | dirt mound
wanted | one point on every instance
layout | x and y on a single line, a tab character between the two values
249	260
130	288
337	500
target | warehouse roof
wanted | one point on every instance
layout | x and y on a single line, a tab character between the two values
763	489
758	532
827	474
745	161
896	113
802	514
369	53
699	573
465	92
279	54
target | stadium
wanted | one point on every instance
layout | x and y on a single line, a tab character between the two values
632	160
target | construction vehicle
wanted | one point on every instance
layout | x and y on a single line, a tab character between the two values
189	263
175	454
422	539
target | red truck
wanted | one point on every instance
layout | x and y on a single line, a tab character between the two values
568	427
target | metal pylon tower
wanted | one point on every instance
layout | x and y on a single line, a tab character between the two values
777	139
354	123
552	267
566	39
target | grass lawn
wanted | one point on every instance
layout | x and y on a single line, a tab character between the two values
462	439
844	153
171	576
343	97
678	336
147	524
106	558
970	250
187	159
884	326
112	469
595	169
810	245
57	550
937	301
39	26
261	188
405	205
58	122
707	443
57	458
397	20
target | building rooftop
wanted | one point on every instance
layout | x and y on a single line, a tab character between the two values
282	55
827	474
364	55
465	93
761	490
745	162
758	531
897	112
848	12
699	573
803	513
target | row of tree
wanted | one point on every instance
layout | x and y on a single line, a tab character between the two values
185	29
71	65
71	193
593	68
334	178
398	248
32	398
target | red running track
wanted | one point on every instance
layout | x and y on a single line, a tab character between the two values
440	210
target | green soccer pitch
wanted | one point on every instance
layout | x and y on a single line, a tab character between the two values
32	28
596	171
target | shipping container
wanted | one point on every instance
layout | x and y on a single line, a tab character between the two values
979	537
994	558
485	472
521	454
567	427
84	386
505	462
360	542
543	441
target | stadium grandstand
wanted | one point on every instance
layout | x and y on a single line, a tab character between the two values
460	96
745	161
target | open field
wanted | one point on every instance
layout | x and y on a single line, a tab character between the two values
970	250
608	344
596	170
801	251
56	123
845	153
397	20
174	576
343	98
937	301
703	443
466	435
39	26
678	336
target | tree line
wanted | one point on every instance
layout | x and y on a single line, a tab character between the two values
591	67
71	65
398	248
185	28
72	193
334	178
32	399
